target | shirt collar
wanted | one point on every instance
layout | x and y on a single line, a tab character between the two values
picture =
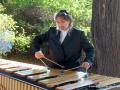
63	31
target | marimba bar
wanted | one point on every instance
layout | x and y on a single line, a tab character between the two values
22	76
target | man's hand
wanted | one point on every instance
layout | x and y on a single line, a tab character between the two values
86	65
39	55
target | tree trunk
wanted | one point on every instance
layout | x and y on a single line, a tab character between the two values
106	36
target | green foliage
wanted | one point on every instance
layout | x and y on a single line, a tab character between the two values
2	8
81	10
6	22
22	43
7	35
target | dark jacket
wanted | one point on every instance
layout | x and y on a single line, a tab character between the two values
69	52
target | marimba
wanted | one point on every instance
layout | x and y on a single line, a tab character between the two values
22	76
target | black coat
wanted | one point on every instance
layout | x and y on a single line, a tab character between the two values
69	52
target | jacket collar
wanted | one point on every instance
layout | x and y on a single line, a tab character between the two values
69	32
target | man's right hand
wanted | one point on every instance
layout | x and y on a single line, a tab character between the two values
39	55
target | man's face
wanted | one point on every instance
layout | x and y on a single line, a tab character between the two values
62	24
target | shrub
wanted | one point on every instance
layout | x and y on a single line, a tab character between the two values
7	22
7	35
22	44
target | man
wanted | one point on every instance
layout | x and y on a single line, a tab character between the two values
65	43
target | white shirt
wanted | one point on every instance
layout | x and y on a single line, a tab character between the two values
63	34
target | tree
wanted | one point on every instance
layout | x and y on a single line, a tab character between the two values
106	36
